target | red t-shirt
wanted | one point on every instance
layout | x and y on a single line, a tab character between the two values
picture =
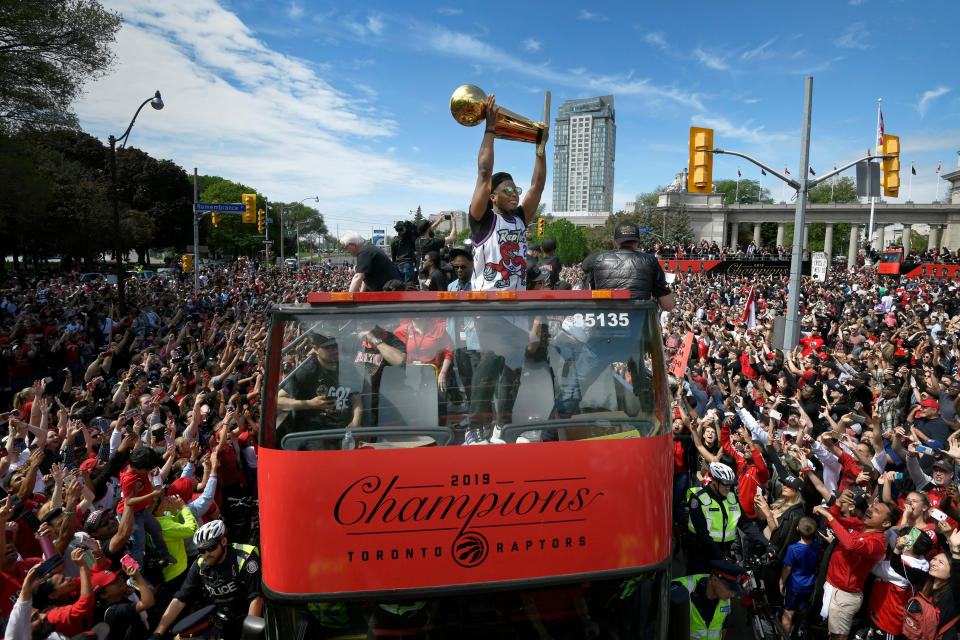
10	584
429	346
856	552
679	467
73	619
128	485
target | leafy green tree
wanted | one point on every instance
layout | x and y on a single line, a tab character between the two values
463	235
749	191
679	230
845	190
231	236
599	238
48	50
571	240
418	216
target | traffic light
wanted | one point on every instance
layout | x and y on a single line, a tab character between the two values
541	223
214	218
261	221
250	202
891	166
187	261
700	178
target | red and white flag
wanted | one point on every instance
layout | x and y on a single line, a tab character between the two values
750	309
938	166
880	134
786	171
738	172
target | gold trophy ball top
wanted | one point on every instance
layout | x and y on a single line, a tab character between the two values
468	105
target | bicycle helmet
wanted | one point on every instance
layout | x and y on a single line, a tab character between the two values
718	471
209	534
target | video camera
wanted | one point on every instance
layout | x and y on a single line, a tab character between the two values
404	227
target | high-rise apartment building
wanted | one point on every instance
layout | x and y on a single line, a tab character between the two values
584	138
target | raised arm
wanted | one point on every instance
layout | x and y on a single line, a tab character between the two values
481	192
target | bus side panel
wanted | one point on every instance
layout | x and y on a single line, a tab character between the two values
373	520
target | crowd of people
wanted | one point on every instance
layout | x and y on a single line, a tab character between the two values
128	434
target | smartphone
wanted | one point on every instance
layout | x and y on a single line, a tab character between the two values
128	561
913	535
52	515
857	418
938	515
31	520
447	216
898	475
924	450
759	492
776	415
88	559
47	566
130	412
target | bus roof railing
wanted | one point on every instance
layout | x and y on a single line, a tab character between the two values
327	297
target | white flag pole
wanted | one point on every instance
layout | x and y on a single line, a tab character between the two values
873	198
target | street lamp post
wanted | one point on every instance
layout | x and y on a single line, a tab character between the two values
297	223
157	103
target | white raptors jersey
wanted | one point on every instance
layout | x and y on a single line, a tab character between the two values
500	256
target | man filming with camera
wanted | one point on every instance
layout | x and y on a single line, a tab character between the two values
403	250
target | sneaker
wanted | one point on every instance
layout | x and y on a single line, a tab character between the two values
471	437
495	435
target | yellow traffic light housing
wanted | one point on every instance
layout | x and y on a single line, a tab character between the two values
261	221
214	218
187	261
541	223
700	178
890	180
250	202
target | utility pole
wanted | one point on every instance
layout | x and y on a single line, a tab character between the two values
792	326
196	235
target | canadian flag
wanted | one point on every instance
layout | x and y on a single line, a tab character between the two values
750	309
786	171
938	167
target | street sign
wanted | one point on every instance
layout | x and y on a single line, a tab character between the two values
818	266
643	229
379	238
291	233
215	206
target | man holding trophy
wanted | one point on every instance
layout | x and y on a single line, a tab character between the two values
498	220
498	225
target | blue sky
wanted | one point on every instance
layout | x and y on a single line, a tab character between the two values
349	101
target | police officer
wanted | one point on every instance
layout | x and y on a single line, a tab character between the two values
707	595
227	574
626	268
713	512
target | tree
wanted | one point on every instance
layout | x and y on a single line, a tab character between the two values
845	190
599	238
679	230
418	216
571	240
232	236
748	191
48	49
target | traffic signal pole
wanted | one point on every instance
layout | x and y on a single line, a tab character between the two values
791	333
196	235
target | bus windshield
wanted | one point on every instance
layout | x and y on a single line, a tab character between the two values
454	373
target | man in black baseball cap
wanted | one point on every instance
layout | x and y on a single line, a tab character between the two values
626	268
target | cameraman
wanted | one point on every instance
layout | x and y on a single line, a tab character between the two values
427	243
403	250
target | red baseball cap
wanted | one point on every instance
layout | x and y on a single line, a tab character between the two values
101	579
930	402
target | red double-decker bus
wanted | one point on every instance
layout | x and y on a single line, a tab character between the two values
379	520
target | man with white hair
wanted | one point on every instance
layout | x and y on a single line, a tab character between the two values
374	269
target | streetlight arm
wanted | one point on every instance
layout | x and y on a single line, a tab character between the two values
123	138
789	181
813	183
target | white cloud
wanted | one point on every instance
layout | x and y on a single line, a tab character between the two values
477	51
656	39
726	129
375	25
750	100
449	11
854	37
591	16
415	149
760	51
295	10
235	108
927	97
531	45
856	3
710	60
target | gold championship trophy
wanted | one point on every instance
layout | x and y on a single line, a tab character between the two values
468	106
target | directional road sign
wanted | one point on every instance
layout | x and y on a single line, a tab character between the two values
644	229
216	206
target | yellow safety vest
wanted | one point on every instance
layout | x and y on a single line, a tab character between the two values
699	630
721	515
